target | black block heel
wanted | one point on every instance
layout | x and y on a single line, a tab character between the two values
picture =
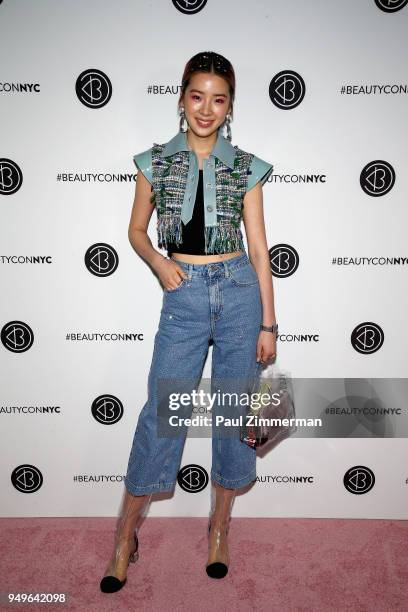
216	569
111	584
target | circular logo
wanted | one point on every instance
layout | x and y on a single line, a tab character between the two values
367	337
390	6
189	7
11	177
287	89
192	478
359	479
26	478
93	88
107	409
101	259
17	336
377	178
284	260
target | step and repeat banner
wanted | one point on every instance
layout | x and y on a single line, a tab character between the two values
322	95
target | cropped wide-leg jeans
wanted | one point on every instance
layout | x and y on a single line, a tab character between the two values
220	302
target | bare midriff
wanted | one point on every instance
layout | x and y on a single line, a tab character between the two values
203	259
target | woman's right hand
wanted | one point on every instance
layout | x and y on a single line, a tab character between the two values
171	275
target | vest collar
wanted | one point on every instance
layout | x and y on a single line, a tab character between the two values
222	149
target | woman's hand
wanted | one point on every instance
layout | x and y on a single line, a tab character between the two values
171	275
266	346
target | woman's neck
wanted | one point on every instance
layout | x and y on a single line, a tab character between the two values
202	146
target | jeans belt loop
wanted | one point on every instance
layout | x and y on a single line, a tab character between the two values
226	269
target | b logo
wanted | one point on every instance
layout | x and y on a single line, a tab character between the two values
26	478
284	260
93	88
189	7
17	336
377	178
390	6
287	89
101	259
367	337
359	479
107	409
192	478
11	177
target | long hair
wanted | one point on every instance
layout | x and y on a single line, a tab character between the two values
209	61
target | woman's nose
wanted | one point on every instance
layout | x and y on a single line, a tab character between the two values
207	108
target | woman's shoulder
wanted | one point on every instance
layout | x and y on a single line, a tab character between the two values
144	162
259	168
150	150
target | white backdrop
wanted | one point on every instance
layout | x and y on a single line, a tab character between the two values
79	308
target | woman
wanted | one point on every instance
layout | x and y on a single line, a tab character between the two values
201	187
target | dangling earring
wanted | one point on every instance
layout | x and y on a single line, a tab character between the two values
182	114
228	126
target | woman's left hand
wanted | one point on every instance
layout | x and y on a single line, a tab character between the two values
266	346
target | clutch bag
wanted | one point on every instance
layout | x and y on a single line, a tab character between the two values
271	412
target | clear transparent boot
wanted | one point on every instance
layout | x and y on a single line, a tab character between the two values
134	508
222	501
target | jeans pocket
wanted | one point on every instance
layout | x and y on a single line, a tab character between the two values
177	288
244	276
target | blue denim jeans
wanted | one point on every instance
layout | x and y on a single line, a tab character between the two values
219	301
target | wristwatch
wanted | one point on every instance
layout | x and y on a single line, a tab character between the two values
272	328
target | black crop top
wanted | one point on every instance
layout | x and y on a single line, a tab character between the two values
193	233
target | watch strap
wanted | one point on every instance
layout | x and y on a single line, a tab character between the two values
270	328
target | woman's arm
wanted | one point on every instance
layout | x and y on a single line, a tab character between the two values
253	218
169	272
254	222
142	211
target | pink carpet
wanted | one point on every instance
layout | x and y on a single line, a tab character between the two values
276	564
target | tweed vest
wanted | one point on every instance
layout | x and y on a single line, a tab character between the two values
169	180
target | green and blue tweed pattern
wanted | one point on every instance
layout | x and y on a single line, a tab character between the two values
169	179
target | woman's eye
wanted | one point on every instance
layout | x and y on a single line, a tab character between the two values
220	100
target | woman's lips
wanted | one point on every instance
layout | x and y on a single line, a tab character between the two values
204	124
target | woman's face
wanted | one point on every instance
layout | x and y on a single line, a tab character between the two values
206	102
